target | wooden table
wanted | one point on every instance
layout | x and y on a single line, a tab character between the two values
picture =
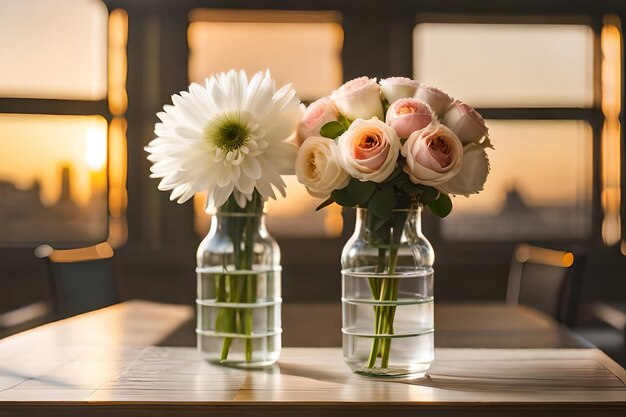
106	363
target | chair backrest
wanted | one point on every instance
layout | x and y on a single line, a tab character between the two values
548	280
81	279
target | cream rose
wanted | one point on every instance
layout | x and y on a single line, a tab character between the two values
369	150
465	122
316	115
433	155
436	99
473	175
395	88
408	115
359	98
318	169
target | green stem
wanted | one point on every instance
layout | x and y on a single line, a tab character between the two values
239	288
390	310
386	289
250	288
375	288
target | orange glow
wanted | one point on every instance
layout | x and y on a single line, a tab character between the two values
118	39
216	46
333	220
118	104
295	204
96	149
35	148
118	197
201	220
534	254
611	42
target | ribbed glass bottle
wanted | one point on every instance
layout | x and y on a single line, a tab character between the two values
239	293
387	296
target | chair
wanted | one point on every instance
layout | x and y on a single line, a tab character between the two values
547	280
81	279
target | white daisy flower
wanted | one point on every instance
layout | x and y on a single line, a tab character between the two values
226	138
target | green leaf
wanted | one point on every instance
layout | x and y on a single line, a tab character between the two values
403	200
326	203
344	121
354	194
441	206
429	194
342	198
396	175
382	202
332	130
412	190
360	191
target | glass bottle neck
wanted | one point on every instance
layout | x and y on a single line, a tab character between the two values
233	219
370	227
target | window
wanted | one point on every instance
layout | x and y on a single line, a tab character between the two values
53	174
56	146
57	49
254	40
508	65
536	84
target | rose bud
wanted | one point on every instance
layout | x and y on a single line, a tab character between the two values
395	88
471	179
433	155
408	115
315	116
465	122
369	150
436	99
317	167
359	98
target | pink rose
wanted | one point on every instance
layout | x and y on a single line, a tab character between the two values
395	88
359	99
369	150
408	115
466	122
315	116
433	155
472	177
436	99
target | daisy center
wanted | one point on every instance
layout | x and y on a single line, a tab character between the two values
228	132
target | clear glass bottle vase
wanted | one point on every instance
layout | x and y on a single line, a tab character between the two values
387	296
239	293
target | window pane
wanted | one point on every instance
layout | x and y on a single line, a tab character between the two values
498	65
306	54
53	179
539	186
53	49
295	216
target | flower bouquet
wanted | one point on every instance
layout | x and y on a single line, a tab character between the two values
227	138
388	148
